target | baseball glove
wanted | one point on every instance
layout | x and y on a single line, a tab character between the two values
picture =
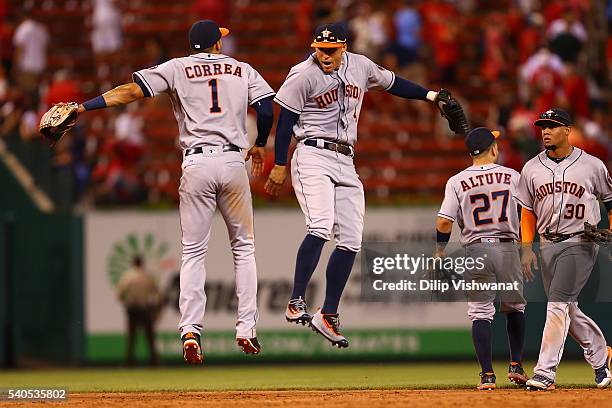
58	120
452	111
593	234
590	233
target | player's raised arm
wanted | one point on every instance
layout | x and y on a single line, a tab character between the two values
450	108
148	82
121	95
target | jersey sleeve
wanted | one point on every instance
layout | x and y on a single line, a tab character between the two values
378	77
515	184
450	204
603	182
156	80
258	87
524	193
293	94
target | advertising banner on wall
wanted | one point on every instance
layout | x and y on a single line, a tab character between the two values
376	329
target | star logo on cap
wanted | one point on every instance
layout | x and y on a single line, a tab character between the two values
326	33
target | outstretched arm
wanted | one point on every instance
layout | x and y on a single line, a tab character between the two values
449	107
406	89
121	95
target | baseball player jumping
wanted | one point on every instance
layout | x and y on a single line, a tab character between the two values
481	200
210	95
558	191
320	103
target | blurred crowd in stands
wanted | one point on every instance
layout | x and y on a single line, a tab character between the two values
530	55
507	61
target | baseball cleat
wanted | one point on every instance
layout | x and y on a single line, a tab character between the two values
297	312
328	325
516	374
602	374
487	382
540	383
249	346
192	351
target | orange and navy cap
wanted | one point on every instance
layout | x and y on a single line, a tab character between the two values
329	36
554	117
480	139
204	34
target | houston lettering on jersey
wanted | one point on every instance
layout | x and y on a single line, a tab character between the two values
566	187
485	179
350	91
206	70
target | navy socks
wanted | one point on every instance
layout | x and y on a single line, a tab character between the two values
307	259
481	336
338	272
516	335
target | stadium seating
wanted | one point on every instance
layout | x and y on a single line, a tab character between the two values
416	166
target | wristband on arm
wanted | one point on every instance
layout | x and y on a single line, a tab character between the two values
442	238
96	103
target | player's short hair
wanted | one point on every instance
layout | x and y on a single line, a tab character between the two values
209	49
484	152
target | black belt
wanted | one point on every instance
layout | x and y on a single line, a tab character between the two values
334	147
226	148
484	241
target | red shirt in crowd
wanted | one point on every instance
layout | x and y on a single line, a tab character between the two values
64	90
577	95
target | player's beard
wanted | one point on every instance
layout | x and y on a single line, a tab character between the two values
550	147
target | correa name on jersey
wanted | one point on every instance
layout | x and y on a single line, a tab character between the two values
207	70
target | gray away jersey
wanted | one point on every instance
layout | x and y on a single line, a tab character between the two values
563	196
329	104
210	96
482	201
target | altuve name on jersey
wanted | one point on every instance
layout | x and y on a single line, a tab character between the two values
206	70
559	187
488	178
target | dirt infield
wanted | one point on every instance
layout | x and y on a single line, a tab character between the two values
344	398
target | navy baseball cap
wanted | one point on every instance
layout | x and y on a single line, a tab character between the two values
480	139
205	33
329	36
554	117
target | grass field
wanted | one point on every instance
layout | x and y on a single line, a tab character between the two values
279	377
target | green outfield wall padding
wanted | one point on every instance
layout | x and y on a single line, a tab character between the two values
46	280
